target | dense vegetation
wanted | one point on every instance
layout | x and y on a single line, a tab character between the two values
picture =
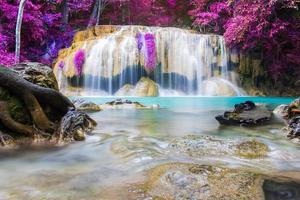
269	28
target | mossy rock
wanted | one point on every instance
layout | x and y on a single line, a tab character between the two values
252	149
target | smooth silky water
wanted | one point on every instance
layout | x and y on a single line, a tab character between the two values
127	143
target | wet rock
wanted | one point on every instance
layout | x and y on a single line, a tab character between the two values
191	181
74	125
144	88
83	105
126	104
293	128
79	135
282	111
199	146
245	114
251	149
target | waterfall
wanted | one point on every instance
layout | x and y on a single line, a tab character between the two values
180	61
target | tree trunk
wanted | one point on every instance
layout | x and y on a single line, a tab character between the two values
65	14
18	30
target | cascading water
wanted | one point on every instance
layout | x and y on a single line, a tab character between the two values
179	61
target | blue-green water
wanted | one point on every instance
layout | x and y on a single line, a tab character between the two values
127	143
197	102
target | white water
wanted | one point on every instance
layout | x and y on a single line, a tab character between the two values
186	62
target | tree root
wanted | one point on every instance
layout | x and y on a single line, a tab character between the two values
72	122
11	124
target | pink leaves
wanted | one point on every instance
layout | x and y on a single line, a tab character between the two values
79	59
147	46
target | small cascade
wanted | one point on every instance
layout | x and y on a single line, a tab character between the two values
180	61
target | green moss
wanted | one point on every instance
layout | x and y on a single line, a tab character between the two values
252	149
16	107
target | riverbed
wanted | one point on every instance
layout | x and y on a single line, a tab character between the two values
126	144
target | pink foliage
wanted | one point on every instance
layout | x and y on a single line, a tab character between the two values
79	60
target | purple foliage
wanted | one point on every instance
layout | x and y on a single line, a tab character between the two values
79	60
61	64
150	51
139	38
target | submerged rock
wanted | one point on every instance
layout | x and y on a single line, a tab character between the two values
251	149
245	114
192	181
199	146
126	104
86	106
144	88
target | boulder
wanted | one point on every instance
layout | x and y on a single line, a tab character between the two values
282	111
37	73
83	105
200	182
144	88
293	128
245	114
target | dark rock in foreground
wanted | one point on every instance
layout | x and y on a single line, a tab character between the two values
245	114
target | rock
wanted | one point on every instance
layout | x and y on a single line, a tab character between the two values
126	104
192	181
297	83
245	114
295	104
199	146
144	88
252	149
293	128
37	73
74	125
282	111
79	135
83	105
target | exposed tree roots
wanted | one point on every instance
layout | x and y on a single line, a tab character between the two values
35	99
